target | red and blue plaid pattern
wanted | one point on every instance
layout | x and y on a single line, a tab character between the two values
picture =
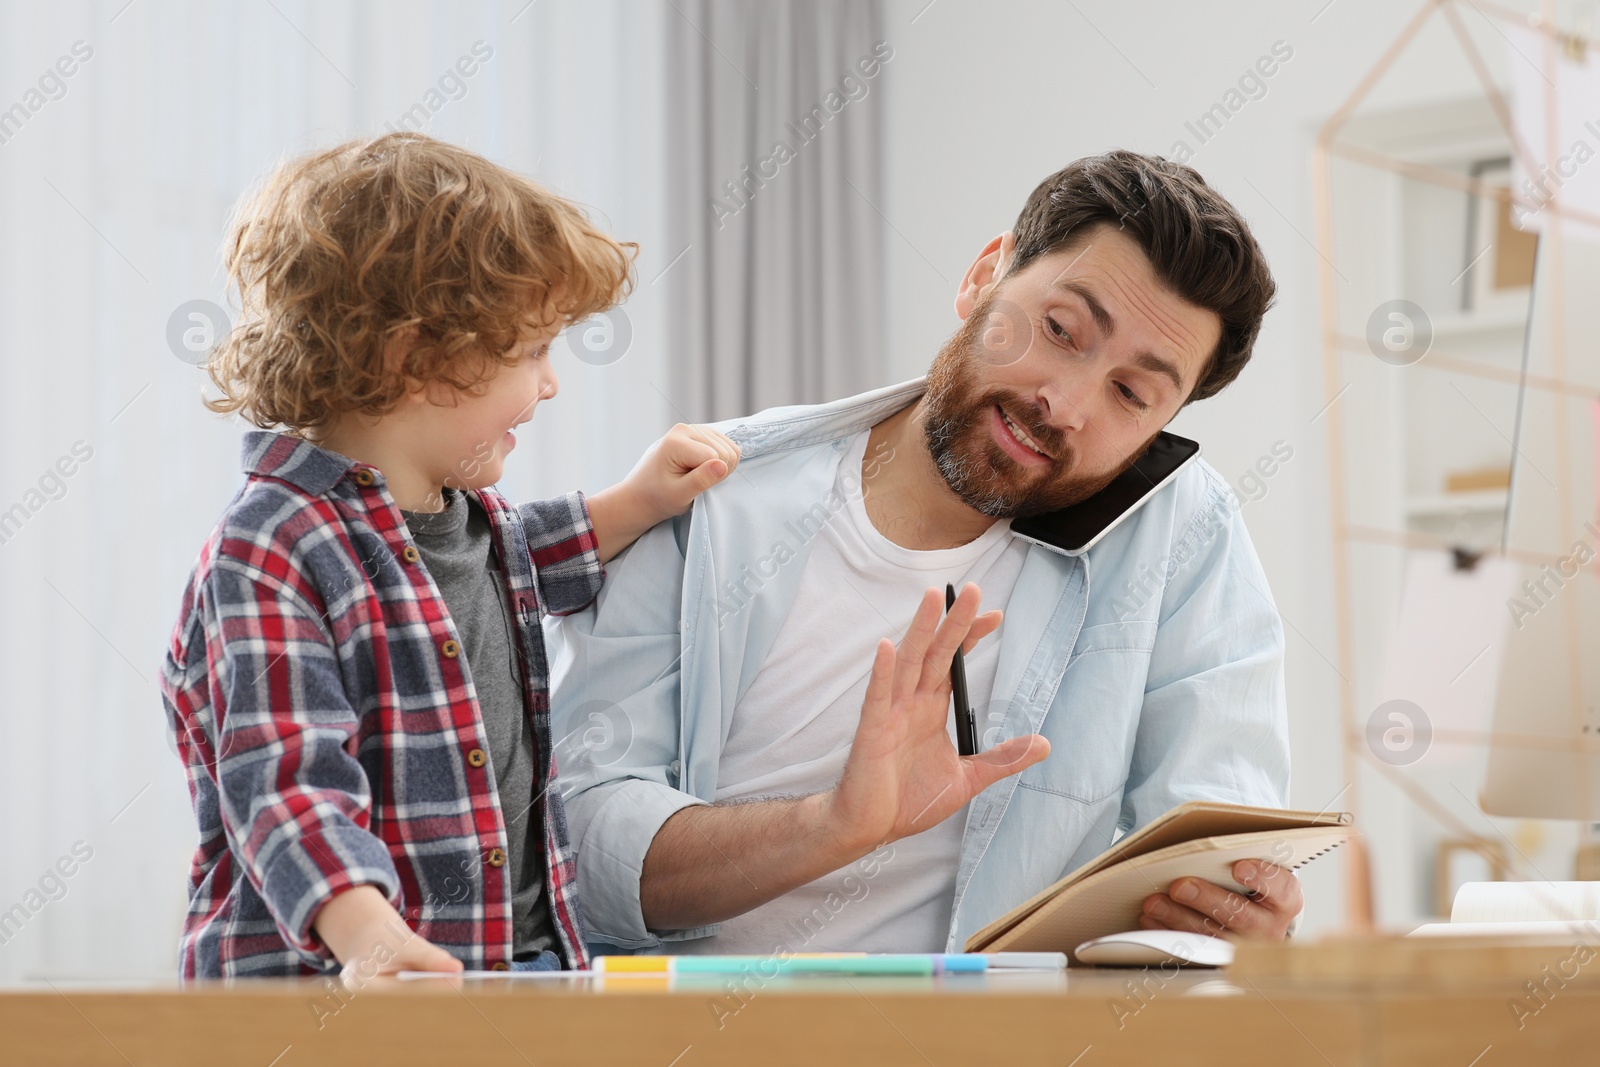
329	727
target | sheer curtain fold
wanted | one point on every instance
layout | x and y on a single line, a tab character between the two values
774	181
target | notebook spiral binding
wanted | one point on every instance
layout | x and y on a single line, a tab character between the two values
1316	855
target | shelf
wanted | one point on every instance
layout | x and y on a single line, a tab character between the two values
1466	323
1479	500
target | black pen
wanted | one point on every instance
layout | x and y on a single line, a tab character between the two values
966	729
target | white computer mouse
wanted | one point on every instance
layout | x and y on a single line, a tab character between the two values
1149	948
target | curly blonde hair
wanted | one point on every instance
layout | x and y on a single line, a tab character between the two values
341	250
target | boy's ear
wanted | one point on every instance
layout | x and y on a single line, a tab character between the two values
986	270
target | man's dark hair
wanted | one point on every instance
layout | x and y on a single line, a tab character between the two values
1197	244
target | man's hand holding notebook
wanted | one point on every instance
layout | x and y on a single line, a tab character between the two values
1194	905
1214	845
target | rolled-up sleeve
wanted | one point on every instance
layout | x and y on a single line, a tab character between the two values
621	820
295	802
615	697
566	554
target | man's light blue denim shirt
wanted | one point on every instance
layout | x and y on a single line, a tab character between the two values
1153	663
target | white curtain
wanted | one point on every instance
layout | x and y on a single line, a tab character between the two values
774	184
115	181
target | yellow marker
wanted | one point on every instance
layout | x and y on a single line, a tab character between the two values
649	965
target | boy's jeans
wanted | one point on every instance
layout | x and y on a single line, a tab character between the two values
544	961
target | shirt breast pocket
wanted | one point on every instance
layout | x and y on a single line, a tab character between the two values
1094	718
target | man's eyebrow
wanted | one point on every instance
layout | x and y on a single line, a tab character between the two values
1156	365
1102	318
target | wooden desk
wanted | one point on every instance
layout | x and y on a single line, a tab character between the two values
1086	1018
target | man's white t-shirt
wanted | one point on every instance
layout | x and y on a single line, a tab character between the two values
792	729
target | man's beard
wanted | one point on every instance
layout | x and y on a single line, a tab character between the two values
972	463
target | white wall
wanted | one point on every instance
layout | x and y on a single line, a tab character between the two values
987	97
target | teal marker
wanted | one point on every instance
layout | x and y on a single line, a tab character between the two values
772	966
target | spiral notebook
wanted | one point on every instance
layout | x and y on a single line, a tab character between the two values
1199	839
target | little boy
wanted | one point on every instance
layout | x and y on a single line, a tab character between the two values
357	677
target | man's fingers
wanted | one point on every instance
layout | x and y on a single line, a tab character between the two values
1238	913
1190	922
948	637
1007	758
914	646
880	686
1276	888
982	627
1195	904
1162	913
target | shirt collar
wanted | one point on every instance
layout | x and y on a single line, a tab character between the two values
297	461
440	526
793	427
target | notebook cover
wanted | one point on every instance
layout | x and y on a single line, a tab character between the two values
1192	821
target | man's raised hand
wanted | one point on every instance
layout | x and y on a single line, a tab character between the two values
904	775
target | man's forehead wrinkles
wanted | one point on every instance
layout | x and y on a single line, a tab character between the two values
1149	307
1117	286
1065	272
1134	303
1102	316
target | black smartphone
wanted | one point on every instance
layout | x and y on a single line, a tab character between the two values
1075	529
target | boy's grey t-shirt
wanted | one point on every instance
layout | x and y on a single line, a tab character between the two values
457	546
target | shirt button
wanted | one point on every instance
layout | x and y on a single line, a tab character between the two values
363	477
477	758
497	857
500	965
410	554
676	768
450	649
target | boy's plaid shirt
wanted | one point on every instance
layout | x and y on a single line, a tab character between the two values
329	727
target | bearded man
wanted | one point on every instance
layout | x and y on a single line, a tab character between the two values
752	764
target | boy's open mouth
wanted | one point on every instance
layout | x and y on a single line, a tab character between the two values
510	437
